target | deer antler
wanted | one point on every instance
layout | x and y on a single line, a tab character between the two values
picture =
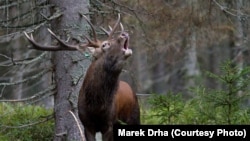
62	45
112	30
96	43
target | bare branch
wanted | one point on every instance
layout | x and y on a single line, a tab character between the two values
26	62
22	62
2	90
78	125
224	9
27	79
13	4
39	94
15	35
29	124
55	15
42	97
5	56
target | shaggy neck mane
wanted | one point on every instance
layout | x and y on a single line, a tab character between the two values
102	82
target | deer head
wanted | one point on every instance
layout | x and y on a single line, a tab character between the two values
121	41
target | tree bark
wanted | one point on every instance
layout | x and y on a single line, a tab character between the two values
238	54
191	66
70	67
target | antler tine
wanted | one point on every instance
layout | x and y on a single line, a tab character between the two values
112	30
91	26
91	43
39	46
122	28
115	26
27	36
96	43
63	44
105	31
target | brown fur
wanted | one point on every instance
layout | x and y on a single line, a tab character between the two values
103	99
126	104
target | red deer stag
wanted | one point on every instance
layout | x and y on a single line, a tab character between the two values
104	103
104	100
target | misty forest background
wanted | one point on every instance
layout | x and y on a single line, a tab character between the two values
190	61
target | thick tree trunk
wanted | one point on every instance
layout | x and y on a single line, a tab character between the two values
70	66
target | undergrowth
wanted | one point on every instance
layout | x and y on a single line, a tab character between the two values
25	123
227	104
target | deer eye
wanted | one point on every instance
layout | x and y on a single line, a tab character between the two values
123	35
106	45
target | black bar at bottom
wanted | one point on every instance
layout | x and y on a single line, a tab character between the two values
181	132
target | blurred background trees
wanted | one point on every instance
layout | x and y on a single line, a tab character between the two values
174	43
24	72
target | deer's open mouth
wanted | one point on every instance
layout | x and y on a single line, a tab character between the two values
127	51
125	46
125	37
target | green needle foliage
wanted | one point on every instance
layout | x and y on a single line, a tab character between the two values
166	107
226	104
228	101
20	122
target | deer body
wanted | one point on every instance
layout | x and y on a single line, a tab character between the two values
126	105
95	103
104	100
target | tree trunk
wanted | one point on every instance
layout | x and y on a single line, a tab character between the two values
191	64
191	61
70	66
239	36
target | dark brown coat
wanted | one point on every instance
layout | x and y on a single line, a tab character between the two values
104	100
